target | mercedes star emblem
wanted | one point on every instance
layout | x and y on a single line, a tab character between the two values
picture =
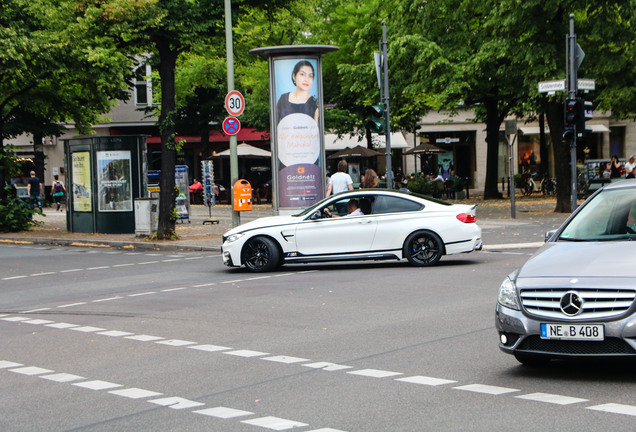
571	303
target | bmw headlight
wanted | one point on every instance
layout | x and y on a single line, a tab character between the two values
234	237
508	295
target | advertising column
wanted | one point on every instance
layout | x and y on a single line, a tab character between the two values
298	154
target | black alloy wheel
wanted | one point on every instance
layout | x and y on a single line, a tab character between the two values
423	248
260	254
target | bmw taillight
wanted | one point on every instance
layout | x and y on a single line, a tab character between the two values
466	218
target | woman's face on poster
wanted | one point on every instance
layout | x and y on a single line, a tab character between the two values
304	78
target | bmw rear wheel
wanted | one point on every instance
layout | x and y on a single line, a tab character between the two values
260	254
423	248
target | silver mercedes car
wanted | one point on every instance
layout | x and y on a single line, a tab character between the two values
575	297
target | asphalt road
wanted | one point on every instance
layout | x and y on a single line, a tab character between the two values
115	340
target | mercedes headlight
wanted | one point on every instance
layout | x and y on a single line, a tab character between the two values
234	237
508	295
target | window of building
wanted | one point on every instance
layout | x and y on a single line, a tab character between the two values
143	85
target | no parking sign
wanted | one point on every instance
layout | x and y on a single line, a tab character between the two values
231	125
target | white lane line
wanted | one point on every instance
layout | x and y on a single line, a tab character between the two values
307	271
257	278
144	338
107	299
327	366
233	281
486	389
176	402
36	310
114	333
283	274
132	253
70	270
147	262
223	412
61	325
374	373
176	342
274	423
87	329
285	359
246	353
552	398
97	385
14	277
209	348
615	408
424	380
175	256
42	274
37	321
152	254
204	285
98	268
135	393
15	318
171	260
4	364
142	294
31	370
124	265
173	289
194	258
72	304
62	377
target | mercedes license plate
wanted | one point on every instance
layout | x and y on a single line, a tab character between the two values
573	331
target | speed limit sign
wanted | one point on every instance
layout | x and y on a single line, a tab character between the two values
234	103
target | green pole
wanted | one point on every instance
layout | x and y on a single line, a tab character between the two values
234	171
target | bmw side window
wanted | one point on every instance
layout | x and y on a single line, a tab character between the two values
385	204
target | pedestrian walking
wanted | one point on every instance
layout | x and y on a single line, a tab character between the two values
57	192
33	189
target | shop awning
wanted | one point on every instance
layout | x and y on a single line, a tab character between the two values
534	130
333	143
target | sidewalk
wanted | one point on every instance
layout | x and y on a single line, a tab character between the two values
534	216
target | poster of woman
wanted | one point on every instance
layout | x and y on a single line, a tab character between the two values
113	180
298	132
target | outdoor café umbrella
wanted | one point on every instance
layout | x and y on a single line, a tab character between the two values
425	148
246	150
357	151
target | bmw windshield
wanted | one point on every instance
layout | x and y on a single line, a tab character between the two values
610	215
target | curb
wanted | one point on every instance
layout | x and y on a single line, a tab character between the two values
113	244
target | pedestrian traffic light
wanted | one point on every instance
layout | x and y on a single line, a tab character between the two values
376	117
575	115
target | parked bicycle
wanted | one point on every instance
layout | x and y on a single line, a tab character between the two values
526	184
547	184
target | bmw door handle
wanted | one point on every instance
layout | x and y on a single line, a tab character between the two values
364	221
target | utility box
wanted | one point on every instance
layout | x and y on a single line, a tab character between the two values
146	216
242	192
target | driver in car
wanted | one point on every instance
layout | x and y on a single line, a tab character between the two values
352	209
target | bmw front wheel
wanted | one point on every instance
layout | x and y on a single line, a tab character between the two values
260	254
423	248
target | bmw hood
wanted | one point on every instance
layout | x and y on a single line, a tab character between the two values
582	259
264	222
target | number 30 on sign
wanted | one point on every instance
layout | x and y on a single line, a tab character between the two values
234	103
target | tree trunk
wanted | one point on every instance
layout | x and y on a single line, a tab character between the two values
167	193
554	113
493	121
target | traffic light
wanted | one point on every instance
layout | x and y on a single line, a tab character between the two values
376	118
575	115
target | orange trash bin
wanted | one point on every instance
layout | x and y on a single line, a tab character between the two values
242	192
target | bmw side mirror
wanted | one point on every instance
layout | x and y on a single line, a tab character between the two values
549	235
316	215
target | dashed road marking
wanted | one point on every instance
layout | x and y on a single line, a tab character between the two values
62	377
274	423
246	353
31	370
486	389
142	294
374	373
425	380
176	402
224	412
175	342
144	338
97	385
615	408
135	393
552	398
285	359
209	348
37	321
327	366
72	304
87	329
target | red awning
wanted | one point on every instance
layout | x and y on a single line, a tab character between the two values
245	134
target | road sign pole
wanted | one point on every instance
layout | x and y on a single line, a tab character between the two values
572	88
387	128
234	171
